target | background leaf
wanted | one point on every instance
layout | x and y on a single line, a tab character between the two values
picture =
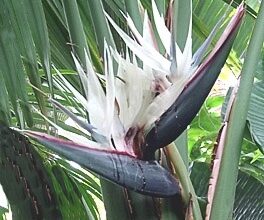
249	192
255	114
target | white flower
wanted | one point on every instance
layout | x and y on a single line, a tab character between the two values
135	97
125	104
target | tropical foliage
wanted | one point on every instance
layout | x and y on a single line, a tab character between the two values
46	49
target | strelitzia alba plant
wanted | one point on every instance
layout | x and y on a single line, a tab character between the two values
143	108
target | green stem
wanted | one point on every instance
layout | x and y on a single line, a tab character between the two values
182	145
115	202
222	204
185	181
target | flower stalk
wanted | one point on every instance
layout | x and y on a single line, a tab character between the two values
188	194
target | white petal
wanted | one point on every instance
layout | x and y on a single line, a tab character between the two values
118	134
146	54
78	96
132	91
148	35
187	52
161	103
82	74
80	139
96	98
163	31
110	90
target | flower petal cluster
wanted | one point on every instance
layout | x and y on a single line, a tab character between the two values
135	95
136	90
143	102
